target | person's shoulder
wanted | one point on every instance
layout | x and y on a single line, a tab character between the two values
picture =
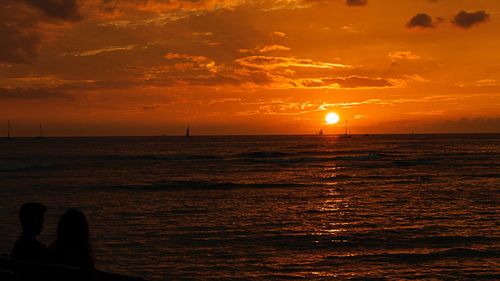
32	249
29	242
21	243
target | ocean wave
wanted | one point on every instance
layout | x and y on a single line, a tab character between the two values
265	154
405	257
147	157
33	167
193	184
246	157
362	157
397	248
415	162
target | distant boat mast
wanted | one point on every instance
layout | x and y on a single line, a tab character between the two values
187	132
40	136
346	135
8	129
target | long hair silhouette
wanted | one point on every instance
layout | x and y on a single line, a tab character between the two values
73	245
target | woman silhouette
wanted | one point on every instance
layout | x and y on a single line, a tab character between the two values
72	246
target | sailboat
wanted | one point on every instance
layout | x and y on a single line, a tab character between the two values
41	136
320	132
187	132
346	134
8	137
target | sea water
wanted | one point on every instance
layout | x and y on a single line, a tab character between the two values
268	207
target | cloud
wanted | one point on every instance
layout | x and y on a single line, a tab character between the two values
466	20
30	93
350	28
100	51
270	62
427	113
421	20
486	82
57	9
20	40
185	69
270	48
403	55
265	49
356	2
24	30
278	34
150	107
162	6
270	72
176	9
257	71
20	34
351	82
351	3
184	62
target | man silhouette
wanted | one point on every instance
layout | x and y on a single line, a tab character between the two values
27	246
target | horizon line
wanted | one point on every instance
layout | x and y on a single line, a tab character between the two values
246	135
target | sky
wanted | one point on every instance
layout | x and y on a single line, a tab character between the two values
154	67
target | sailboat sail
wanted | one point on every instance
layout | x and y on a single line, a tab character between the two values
7	137
347	131
187	132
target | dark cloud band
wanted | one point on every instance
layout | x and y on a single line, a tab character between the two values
57	9
466	20
21	21
30	93
357	2
421	20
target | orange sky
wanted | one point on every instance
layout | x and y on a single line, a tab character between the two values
152	67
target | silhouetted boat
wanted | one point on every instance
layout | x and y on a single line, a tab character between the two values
346	134
320	132
40	136
187	132
8	137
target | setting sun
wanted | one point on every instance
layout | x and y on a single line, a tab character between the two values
332	118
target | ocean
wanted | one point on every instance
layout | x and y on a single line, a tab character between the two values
268	207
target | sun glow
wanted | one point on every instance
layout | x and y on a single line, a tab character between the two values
332	118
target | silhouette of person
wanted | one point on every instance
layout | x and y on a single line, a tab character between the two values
27	246
72	245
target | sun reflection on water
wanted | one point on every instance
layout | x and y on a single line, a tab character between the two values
333	207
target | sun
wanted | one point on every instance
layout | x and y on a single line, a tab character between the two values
332	118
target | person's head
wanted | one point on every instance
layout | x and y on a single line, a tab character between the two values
73	227
31	216
73	239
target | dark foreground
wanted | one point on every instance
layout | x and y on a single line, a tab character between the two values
19	270
260	208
